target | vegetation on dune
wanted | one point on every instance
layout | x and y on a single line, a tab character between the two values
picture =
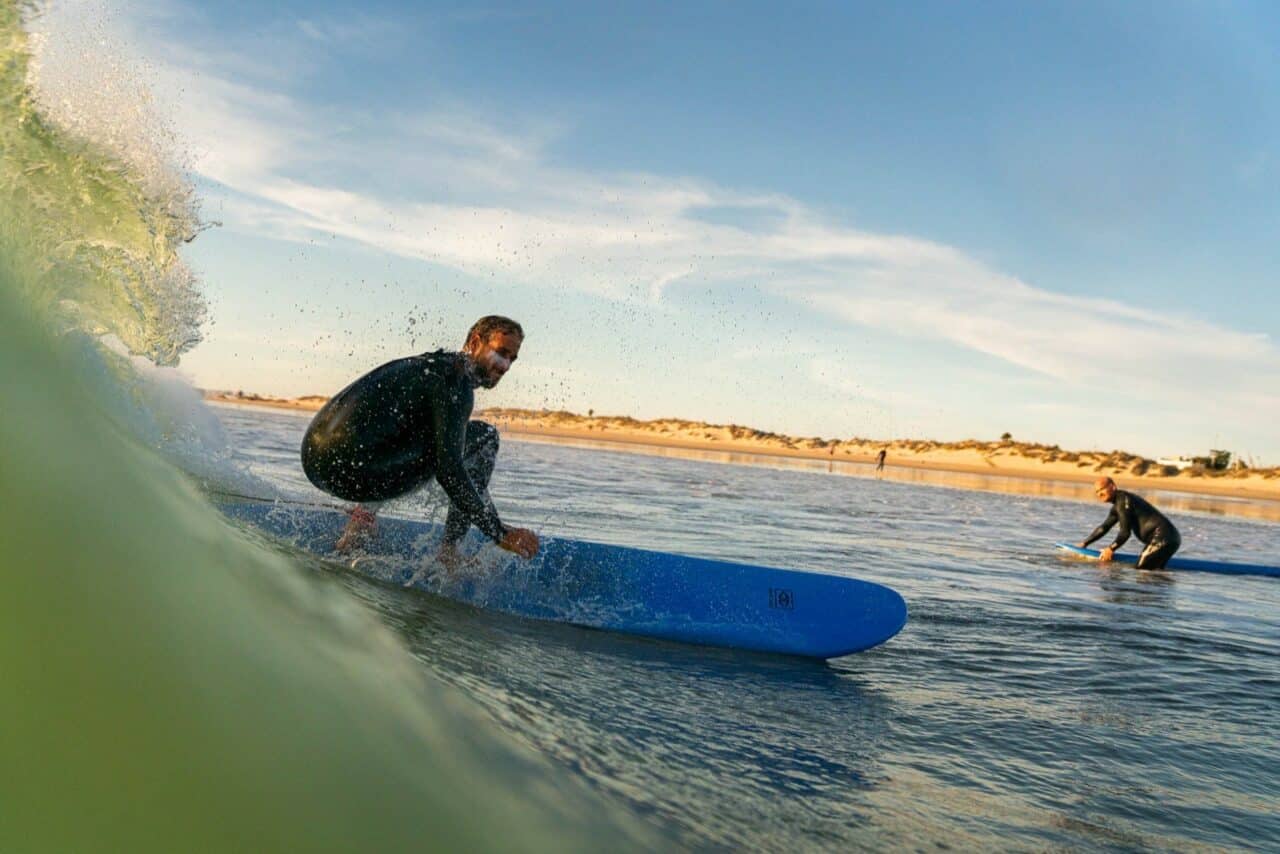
1216	464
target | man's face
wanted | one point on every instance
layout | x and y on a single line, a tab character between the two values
493	356
1104	491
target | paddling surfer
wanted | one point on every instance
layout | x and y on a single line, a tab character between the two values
1135	515
407	422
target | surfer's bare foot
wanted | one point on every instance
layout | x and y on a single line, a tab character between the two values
453	560
359	530
450	558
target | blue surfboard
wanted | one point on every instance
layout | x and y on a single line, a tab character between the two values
1182	563
614	588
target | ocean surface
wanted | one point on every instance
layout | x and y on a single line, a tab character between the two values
170	682
1031	702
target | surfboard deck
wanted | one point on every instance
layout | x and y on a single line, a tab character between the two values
1181	563
614	588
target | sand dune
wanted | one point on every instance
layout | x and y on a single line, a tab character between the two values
1006	458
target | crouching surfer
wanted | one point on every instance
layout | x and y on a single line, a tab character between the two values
408	422
1134	514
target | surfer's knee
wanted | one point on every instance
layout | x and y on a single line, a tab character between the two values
486	435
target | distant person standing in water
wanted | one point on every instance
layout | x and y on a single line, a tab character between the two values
880	459
1135	515
407	422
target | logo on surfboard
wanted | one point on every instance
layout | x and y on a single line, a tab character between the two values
782	598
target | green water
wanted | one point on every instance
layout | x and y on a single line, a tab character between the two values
165	683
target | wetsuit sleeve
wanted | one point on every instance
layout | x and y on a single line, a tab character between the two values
449	429
1123	514
1106	525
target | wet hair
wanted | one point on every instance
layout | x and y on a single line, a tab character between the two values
491	323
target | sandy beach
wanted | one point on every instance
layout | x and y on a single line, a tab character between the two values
1000	458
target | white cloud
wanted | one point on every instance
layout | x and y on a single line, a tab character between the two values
350	30
638	237
455	189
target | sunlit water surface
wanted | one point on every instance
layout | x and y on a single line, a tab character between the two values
1031	702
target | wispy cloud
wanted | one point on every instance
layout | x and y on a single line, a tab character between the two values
352	30
487	197
635	237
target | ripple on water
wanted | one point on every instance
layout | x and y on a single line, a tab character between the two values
1031	702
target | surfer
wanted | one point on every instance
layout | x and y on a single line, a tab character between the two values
880	459
1135	515
407	422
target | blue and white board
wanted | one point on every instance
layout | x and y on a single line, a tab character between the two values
1182	563
616	588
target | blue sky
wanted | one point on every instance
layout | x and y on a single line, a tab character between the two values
919	219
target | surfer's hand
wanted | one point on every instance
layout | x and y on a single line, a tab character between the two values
1106	555
522	541
1082	545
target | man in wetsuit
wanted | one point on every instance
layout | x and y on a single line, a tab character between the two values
1135	515
402	424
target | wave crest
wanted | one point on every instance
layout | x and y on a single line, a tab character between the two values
91	217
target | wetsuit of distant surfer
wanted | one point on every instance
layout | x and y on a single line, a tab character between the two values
408	422
880	459
1135	515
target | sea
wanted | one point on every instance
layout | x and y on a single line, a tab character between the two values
172	682
1031	702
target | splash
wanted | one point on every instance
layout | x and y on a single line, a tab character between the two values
91	217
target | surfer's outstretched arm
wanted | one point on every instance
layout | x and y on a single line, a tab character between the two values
1122	511
1098	532
449	430
449	424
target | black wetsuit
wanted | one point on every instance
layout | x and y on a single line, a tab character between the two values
399	426
1152	527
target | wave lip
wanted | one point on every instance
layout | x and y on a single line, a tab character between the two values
90	234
